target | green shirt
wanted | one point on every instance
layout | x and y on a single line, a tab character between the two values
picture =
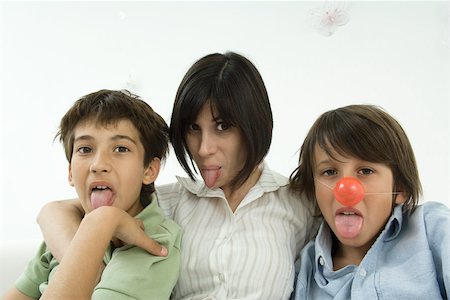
130	273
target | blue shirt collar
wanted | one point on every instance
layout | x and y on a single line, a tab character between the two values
324	242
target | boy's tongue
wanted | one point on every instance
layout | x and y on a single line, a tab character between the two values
210	176
348	226
101	198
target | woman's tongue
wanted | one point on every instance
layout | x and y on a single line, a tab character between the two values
101	198
348	225
210	176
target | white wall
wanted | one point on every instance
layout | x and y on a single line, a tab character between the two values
393	54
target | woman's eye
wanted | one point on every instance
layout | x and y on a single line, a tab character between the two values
84	150
222	126
121	149
193	127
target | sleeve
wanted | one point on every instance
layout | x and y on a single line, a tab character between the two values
36	275
437	220
133	273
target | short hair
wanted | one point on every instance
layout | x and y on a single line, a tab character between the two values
235	91
366	132
107	107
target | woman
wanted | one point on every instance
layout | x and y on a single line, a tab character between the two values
242	227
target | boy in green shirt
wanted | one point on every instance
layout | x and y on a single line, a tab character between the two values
114	143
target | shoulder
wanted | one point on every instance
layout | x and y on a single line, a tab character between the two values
167	190
158	226
434	217
435	207
168	197
280	186
167	233
271	178
304	209
432	212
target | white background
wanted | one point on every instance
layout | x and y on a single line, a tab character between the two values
393	54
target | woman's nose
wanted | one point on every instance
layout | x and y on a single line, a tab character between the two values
207	145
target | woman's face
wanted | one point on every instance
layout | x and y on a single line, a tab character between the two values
216	148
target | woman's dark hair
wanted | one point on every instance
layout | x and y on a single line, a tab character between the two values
236	93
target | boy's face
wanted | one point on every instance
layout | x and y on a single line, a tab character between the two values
107	166
355	227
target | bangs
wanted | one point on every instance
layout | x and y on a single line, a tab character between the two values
220	103
350	135
221	110
107	111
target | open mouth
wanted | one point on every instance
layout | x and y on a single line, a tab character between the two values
348	213
210	175
101	195
100	188
348	222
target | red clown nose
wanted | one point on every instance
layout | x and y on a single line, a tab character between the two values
348	191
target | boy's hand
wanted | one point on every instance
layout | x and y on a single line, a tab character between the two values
131	231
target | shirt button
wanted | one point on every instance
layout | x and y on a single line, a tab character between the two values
221	277
321	261
363	272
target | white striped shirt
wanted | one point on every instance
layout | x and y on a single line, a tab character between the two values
248	254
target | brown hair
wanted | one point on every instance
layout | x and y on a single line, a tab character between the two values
366	132
106	107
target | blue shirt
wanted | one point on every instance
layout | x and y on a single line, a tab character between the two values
409	260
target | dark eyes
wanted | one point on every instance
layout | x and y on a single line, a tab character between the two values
366	171
121	149
84	150
329	172
194	127
362	171
220	126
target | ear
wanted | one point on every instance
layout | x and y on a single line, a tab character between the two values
69	176
152	171
400	198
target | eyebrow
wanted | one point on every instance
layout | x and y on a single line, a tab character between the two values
116	137
323	161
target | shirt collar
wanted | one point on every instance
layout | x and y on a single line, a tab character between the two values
268	181
323	242
323	246
394	224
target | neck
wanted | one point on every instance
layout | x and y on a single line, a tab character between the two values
344	255
235	195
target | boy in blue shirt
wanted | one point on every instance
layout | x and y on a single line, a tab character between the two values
375	241
114	143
